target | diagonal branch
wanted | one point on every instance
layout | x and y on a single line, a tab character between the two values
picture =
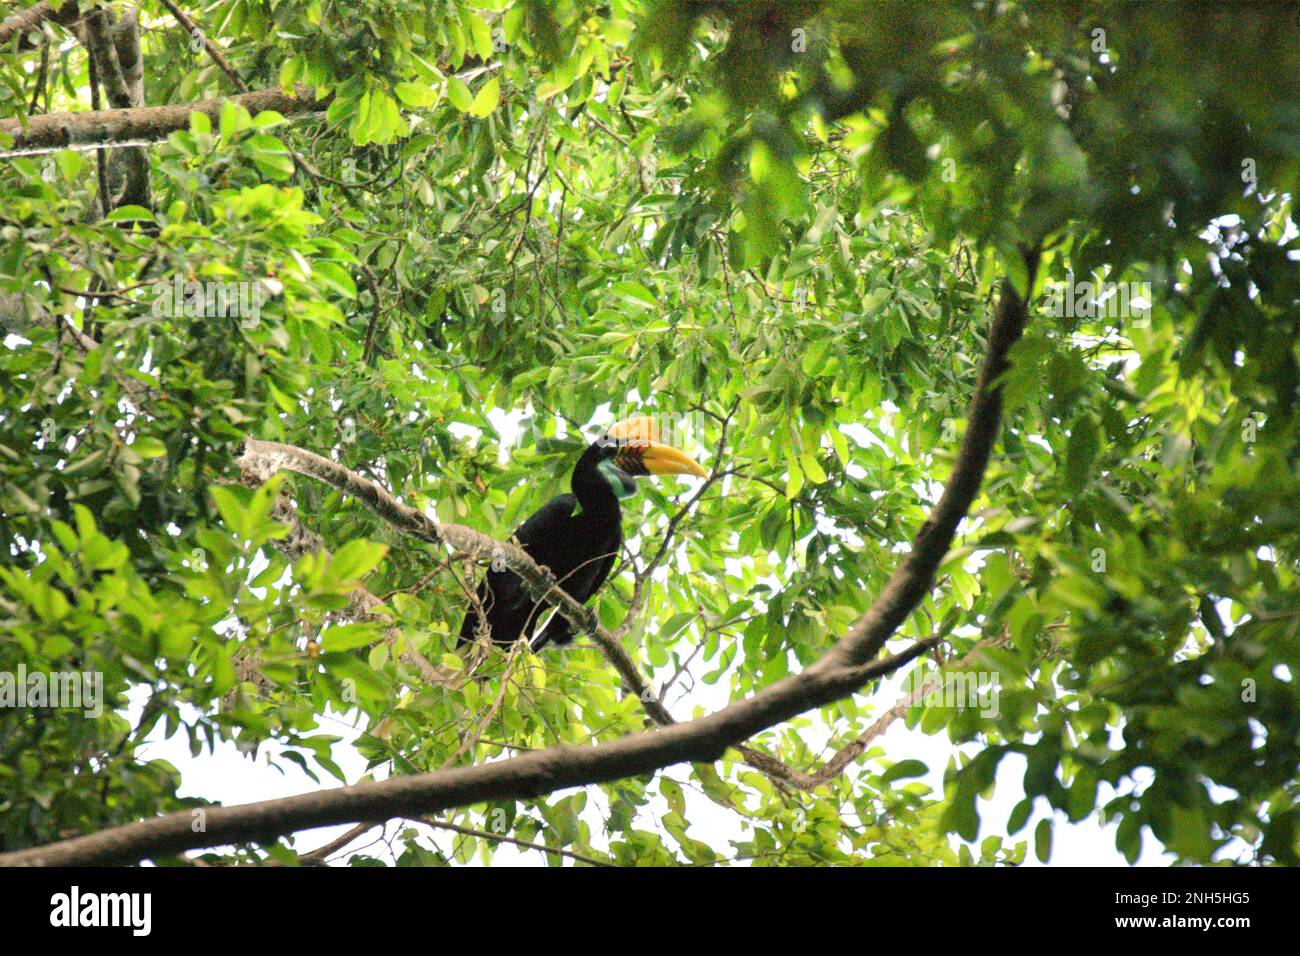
362	604
23	22
840	672
262	459
214	51
318	856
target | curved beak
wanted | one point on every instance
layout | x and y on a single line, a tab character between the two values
657	458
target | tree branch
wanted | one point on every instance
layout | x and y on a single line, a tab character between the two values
138	126
502	838
318	856
261	459
214	51
840	672
25	21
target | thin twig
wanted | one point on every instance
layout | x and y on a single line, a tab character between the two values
502	838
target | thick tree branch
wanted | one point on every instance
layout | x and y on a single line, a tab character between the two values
527	776
840	672
23	22
138	126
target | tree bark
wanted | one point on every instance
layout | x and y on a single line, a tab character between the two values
139	126
115	47
23	22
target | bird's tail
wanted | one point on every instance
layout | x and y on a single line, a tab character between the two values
557	631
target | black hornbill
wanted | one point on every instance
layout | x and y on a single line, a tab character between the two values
577	536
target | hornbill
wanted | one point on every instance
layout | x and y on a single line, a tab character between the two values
577	536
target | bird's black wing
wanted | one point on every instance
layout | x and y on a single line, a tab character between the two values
502	593
545	524
558	630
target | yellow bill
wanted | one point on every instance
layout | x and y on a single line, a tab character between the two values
642	453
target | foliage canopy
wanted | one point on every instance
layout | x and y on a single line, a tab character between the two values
777	224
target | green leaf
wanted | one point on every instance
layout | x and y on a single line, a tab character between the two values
1020	815
290	71
356	559
486	99
416	95
675	623
458	94
367	120
1043	840
633	293
348	637
811	468
1085	441
814	359
960	817
231	507
480	36
794	480
270	156
233	118
146	446
69	163
672	792
129	213
1128	837
335	277
905	768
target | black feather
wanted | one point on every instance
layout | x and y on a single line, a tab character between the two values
577	544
